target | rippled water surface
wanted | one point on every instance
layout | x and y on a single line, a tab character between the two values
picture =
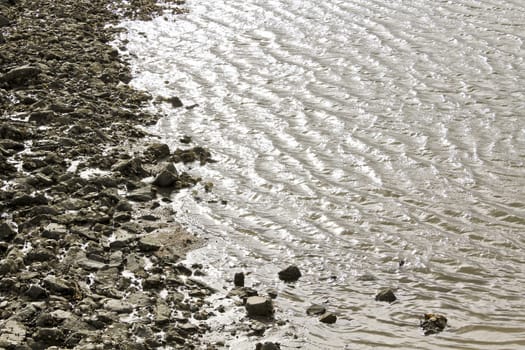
372	143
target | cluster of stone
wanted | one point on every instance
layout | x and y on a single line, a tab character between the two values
89	250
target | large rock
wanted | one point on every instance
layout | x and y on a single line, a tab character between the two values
259	306
290	274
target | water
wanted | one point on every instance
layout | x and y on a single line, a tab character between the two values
372	143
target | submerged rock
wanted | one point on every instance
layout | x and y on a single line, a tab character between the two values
386	295
290	274
315	310
328	318
433	323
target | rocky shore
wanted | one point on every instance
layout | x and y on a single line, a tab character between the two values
89	250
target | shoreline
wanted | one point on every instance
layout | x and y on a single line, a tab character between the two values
89	251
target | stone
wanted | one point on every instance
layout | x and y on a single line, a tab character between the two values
315	309
386	295
4	21
7	231
167	177
118	306
267	346
149	243
57	285
51	335
158	150
328	318
143	194
238	279
36	292
433	323
131	168
123	205
12	335
54	231
290	274
243	292
259	306
20	73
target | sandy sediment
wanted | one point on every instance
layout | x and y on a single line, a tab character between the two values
89	252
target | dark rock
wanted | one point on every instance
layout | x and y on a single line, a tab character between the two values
131	168
36	292
238	279
174	101
4	21
433	323
243	292
259	306
39	255
290	274
123	205
8	266
315	310
386	295
57	285
192	155
10	132
158	151
167	177
143	194
2	39
267	346
328	317
20	73
42	117
26	200
54	231
185	139
50	336
7	231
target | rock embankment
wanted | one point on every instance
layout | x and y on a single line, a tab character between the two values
89	251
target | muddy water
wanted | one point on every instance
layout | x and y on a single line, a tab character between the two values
372	143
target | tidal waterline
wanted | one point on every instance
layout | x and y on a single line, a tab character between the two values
372	143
